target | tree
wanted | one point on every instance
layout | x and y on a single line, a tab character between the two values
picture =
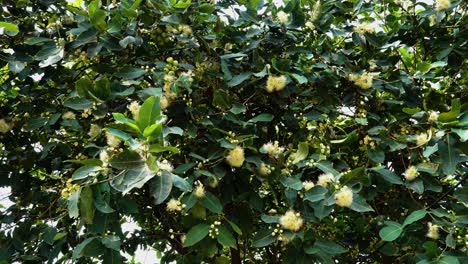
234	131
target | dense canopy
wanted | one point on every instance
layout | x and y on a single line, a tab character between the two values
234	131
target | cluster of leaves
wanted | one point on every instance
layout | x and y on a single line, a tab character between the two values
81	156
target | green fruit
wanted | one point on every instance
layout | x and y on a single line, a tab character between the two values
170	60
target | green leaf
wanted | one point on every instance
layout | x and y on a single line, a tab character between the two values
97	16
196	234
376	155
238	79
261	118
235	227
82	86
453	113
181	183
86	205
329	247
414	216
126	160
327	167
161	187
80	248
292	182
317	193
112	242
388	175
270	219
360	205
10	28
299	78
449	156
357	175
423	67
77	103
461	194
157	148
225	237
132	178
126	121
391	232
448	260
101	89
462	133
130	73
15	66
212	203
149	112
263	238
84	172
154	130
73	210
302	152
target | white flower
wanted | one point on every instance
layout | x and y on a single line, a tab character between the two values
363	80
68	115
433	231
282	17
364	28
112	140
4	126
442	5
164	103
344	197
104	157
199	190
422	139
433	117
273	149
264	169
308	185
325	179
291	221
165	165
310	25
174	205
94	131
134	108
411	173
275	83
236	157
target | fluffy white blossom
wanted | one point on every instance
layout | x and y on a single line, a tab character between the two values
94	131
236	157
411	173
432	231
134	108
433	117
325	179
422	139
364	28
112	140
199	190
282	16
174	205
273	149
104	157
275	83
264	169
344	197
307	185
291	221
441	5
68	115
4	126
165	165
362	80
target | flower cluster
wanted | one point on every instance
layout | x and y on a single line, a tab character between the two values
104	157
291	221
68	115
441	5
282	16
265	169
275	83
174	205
4	126
165	165
199	190
273	149
236	158
344	197
432	231
94	131
325	179
134	108
307	185
214	231
363	80
411	173
69	189
112	141
364	28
